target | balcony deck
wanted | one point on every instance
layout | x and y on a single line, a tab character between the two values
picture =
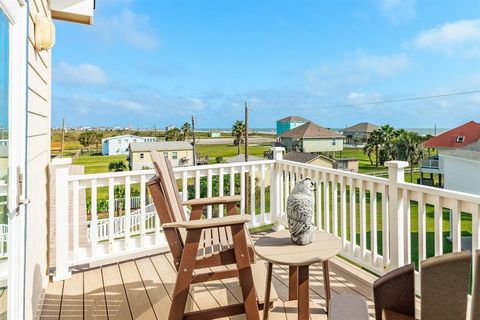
142	289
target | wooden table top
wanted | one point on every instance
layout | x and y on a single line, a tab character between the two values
277	247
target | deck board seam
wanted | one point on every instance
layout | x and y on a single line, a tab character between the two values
145	288
125	291
104	293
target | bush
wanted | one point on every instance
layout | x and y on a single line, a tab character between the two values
219	159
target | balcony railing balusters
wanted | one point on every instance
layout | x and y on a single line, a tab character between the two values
136	231
221	179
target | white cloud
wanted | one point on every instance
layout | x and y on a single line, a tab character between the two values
398	10
82	74
356	70
462	36
130	28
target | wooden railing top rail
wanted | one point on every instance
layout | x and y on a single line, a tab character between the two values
342	173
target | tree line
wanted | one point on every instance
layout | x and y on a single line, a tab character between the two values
388	143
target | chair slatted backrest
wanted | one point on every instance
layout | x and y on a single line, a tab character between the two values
167	203
445	281
476	287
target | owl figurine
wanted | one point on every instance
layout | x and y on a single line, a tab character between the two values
300	211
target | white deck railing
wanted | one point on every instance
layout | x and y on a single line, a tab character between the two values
372	215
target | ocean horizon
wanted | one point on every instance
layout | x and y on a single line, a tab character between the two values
420	131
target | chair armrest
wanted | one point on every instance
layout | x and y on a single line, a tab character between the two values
209	223
212	201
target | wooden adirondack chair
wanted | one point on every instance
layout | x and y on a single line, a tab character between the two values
198	244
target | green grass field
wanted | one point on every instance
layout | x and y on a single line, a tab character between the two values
229	150
98	164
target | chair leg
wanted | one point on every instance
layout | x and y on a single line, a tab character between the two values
268	285
185	275
245	272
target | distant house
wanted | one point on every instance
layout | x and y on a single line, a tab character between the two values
347	164
289	123
169	127
311	137
361	130
180	153
119	144
457	161
214	134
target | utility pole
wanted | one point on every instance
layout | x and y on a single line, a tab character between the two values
246	131
193	143
246	158
63	138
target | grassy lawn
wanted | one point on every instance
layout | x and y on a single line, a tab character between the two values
466	222
98	164
229	150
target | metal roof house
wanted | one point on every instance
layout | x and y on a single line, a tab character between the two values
361	130
289	123
311	137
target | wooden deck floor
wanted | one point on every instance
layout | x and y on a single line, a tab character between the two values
142	288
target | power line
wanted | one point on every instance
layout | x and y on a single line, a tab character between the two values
403	99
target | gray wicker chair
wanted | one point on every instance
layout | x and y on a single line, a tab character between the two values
476	287
444	289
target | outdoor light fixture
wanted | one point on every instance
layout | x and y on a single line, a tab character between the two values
44	33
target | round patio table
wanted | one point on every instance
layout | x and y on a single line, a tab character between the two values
278	248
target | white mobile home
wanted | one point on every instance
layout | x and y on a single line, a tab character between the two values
119	144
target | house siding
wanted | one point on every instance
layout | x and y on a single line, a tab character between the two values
461	174
322	145
38	158
286	126
137	163
313	145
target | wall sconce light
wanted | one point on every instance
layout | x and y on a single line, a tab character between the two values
44	33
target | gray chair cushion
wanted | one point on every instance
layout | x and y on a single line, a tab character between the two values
348	307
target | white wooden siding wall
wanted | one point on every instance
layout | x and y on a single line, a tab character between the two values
38	158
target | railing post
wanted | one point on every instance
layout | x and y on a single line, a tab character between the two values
396	175
61	193
275	188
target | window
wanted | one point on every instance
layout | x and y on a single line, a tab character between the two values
460	139
174	155
165	155
334	142
142	156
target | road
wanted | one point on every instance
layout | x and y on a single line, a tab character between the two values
251	140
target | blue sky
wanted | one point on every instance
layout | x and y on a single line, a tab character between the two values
147	62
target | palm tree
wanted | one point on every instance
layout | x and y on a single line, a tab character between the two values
186	130
356	140
117	166
238	133
412	147
173	134
374	142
